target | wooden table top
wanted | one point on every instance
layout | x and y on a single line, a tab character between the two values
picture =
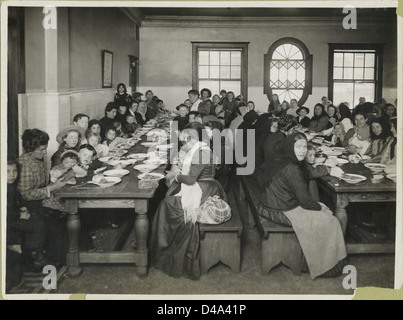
340	186
128	188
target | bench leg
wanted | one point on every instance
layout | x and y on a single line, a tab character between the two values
251	219
224	247
281	247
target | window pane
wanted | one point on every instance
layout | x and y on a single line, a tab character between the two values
348	73
203	72
214	72
213	85
295	53
236	58
370	60
292	74
358	73
338	60
338	73
203	57
225	72
301	75
234	86
235	72
283	73
225	58
359	60
369	73
366	90
348	59
214	58
343	92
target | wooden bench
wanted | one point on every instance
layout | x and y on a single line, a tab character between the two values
279	243
221	242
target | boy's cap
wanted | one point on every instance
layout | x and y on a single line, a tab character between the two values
63	132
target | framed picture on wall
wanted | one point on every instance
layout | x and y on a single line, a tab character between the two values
107	68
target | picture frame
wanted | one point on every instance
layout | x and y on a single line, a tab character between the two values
107	68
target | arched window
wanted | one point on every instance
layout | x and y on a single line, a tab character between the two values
288	71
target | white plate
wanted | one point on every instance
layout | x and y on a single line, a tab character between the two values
100	170
110	181
165	146
353	178
332	153
116	173
375	167
138	156
364	158
145	167
148	144
342	161
156	162
151	176
118	153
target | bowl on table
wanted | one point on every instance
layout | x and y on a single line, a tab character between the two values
375	167
353	178
342	161
116	173
117	153
151	177
145	168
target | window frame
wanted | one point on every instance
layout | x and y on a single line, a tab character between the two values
308	57
377	47
243	46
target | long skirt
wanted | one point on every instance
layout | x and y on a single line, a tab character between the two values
320	236
174	245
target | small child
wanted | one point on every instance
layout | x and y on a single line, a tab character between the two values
111	139
86	155
183	118
120	132
192	116
25	231
131	124
81	120
64	170
94	140
338	135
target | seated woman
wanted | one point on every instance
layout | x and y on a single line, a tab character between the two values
69	139
358	138
319	122
34	187
215	102
332	114
141	114
285	106
274	105
345	116
121	114
390	113
229	107
302	118
271	146
107	121
286	201
381	148
152	105
263	127
94	126
174	245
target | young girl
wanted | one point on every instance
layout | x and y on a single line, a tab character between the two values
339	135
111	140
131	125
285	106
121	96
94	127
229	107
68	139
331	112
183	118
119	129
274	105
64	170
94	140
220	113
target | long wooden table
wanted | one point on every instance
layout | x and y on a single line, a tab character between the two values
127	195
343	193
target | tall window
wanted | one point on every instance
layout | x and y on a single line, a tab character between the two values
288	71
219	66
355	71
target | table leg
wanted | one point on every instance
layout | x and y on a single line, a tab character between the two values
73	231
340	212
142	229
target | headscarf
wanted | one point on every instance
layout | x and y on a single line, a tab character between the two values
323	114
386	129
286	156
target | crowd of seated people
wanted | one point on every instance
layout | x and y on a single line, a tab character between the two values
281	150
